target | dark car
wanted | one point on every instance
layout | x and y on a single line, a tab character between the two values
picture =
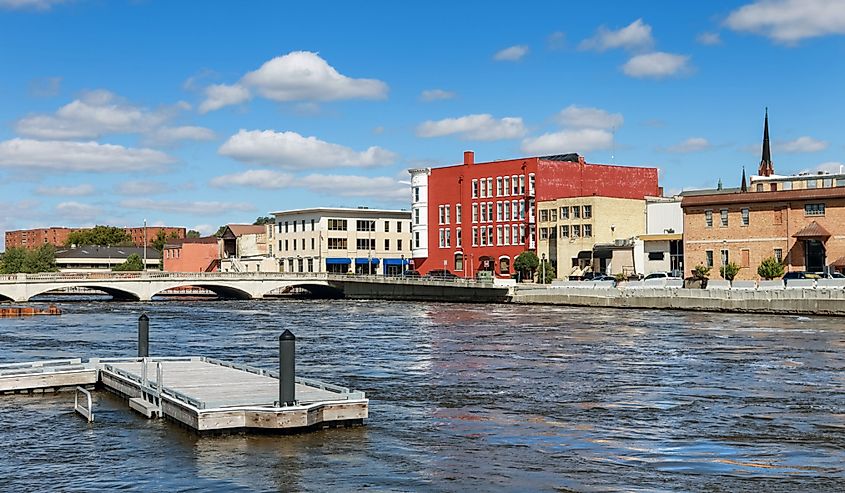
411	273
799	275
441	274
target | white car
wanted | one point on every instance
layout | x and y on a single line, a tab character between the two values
660	275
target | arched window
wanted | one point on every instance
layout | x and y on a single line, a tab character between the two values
459	261
504	265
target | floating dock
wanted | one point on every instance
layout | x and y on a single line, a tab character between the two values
204	394
28	311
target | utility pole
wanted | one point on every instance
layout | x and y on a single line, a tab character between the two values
145	245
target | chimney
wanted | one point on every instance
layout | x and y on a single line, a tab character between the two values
469	157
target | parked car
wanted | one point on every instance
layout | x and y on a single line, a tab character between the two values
411	273
442	274
603	277
800	275
660	275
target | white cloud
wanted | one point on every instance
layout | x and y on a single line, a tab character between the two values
656	65
220	95
634	36
436	95
474	127
297	76
69	191
142	187
802	144
511	53
168	136
692	144
205	229
293	151
94	114
78	156
257	178
556	41
790	21
29	4
585	117
187	207
378	187
708	39
573	140
828	167
77	211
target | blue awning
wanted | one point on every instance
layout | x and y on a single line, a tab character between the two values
338	261
395	261
363	261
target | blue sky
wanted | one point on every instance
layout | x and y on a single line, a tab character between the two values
202	113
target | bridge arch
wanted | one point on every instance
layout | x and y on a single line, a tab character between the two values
5	298
319	290
116	293
223	291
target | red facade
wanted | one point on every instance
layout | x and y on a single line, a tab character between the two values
500	199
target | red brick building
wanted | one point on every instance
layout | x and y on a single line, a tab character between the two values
475	217
56	236
192	255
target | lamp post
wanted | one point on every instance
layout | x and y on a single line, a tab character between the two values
543	270
724	258
145	245
402	265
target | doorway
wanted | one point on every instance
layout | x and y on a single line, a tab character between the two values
814	256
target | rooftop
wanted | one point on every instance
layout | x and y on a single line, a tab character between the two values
105	252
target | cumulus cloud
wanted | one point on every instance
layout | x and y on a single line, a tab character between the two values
570	140
708	39
656	65
69	191
168	136
511	53
802	144
634	36
378	187
257	178
790	21
297	76
187	207
692	144
78	156
585	117
436	95
142	187
291	150
41	5
474	127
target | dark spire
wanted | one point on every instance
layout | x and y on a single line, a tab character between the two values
766	166
743	188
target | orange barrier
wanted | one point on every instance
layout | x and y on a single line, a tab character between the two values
28	311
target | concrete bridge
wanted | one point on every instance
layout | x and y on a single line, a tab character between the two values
142	286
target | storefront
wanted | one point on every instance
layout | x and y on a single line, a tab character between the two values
366	266
338	265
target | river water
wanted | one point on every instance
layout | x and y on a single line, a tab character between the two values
462	397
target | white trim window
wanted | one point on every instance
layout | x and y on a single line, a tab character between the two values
531	184
458	217
499	238
507	214
522	184
498	186
448	210
442	238
499	211
474	213
507	185
458	239
441	215
490	235
483	213
489	212
515	185
514	233
474	236
514	210
448	238
475	189
521	211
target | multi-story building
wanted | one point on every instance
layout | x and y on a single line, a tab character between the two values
247	248
58	237
342	240
192	255
799	220
661	249
475	217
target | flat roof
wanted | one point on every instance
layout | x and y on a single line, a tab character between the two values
342	210
758	197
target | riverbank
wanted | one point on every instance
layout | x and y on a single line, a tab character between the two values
793	301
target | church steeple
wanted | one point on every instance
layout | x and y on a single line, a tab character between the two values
743	188
766	166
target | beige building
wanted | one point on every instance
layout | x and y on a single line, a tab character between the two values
342	240
247	248
568	229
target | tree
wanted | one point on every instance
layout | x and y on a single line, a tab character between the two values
21	260
526	263
132	263
264	220
546	272
192	233
99	235
729	271
220	231
770	268
700	272
13	260
161	239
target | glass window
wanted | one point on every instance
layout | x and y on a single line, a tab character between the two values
459	261
564	231
499	239
416	216
507	185
475	189
779	254
787	185
588	211
474	236
576	212
812	183
336	224
725	257
544	215
544	233
576	230
458	215
448	210
759	187
490	186
417	239
522	184
474	213
399	226
458	239
745	216
708	218
723	215
552	215
365	225
840	182
498	186
507	214
531	184
708	258
387	226
521	209
827	182
515	185
416	194
588	231
564	213
814	209
386	244
514	210
499	211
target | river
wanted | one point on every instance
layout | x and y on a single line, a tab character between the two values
462	397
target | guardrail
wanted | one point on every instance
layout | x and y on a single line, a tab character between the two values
86	411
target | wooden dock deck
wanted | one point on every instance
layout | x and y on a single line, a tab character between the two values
202	393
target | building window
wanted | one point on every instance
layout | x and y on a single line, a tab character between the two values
448	214
483	236
498	186
448	237
490	235
531	184
544	233
334	225
576	212
507	185
416	216
490	186
588	211
552	215
386	244
564	231
303	243
515	185
521	209
475	189
442	238
286	226
840	182
286	245
708	258
745	258
814	209
564	213
458	215
708	218
459	262
365	225
588	231
312	243
366	244
416	194
514	210
544	215
336	244
779	254
812	183
745	216
723	216
312	225
294	226
576	230
399	245
499	211
387	226
521	184
441	215
483	213
458	240
759	187
787	185
514	233
490	212
416	239
474	236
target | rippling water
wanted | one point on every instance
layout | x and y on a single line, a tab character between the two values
463	397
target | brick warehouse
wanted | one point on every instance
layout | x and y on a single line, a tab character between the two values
56	236
480	216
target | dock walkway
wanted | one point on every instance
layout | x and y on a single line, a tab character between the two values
202	393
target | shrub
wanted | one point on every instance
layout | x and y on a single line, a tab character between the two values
729	271
770	268
700	272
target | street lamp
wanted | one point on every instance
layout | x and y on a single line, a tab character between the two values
543	270
402	265
724	258
145	245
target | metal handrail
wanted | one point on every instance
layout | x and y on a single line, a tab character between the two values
86	412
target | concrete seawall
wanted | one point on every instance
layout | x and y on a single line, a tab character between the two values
785	301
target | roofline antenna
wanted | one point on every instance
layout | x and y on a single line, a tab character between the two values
613	146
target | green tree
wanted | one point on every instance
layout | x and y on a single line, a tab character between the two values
264	220
546	272
770	268
132	263
99	235
161	239
192	233
729	271
220	231
526	264
700	272
21	260
12	261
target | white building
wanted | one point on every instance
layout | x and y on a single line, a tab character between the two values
419	211
661	248
247	248
343	240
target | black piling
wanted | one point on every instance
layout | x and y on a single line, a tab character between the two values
287	356
143	336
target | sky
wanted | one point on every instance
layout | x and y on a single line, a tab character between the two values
198	114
